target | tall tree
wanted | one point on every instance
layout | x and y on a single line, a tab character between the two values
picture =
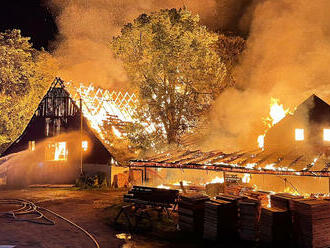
25	75
172	62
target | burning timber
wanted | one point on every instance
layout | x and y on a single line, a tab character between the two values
297	144
257	162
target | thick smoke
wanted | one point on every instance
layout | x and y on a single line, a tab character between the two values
86	28
287	56
288	47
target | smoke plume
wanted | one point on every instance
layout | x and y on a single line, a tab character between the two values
87	27
286	57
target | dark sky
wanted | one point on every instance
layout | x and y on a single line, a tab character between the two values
32	17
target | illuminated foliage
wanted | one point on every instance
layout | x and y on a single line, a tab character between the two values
172	62
25	75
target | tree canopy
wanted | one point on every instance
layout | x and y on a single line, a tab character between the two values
173	64
25	75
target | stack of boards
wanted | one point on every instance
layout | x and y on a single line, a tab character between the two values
249	215
191	212
274	226
219	219
312	223
284	201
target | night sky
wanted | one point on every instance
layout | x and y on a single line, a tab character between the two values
32	17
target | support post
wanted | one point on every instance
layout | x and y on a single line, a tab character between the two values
110	173
145	174
81	133
224	182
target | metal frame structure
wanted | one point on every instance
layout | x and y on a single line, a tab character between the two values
254	162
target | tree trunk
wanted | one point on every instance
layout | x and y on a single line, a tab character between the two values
171	135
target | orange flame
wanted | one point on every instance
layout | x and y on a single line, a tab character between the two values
276	113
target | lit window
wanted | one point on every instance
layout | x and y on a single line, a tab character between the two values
326	134
56	151
299	134
32	145
84	145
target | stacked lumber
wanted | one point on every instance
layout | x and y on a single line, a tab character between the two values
230	198
261	196
235	200
312	223
249	215
219	219
191	212
284	200
233	189
274	226
213	189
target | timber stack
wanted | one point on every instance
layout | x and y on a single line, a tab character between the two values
312	223
191	212
274	226
235	200
284	201
249	216
219	219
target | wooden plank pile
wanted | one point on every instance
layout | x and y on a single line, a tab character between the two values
233	189
249	216
261	196
274	226
235	200
219	219
312	223
191	212
284	200
152	196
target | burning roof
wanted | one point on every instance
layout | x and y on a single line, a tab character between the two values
101	106
254	162
292	159
56	115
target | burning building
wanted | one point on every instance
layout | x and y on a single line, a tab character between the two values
57	144
308	128
295	156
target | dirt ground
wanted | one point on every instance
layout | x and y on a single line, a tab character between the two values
85	208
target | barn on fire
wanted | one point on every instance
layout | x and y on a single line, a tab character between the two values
308	128
296	150
57	143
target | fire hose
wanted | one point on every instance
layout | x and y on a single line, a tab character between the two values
29	212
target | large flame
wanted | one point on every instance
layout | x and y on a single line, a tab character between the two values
276	113
103	106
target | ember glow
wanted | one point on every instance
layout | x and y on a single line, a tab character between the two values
326	134
217	180
60	151
246	178
84	145
184	183
162	186
299	134
261	141
116	132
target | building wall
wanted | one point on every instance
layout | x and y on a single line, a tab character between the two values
56	121
282	135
